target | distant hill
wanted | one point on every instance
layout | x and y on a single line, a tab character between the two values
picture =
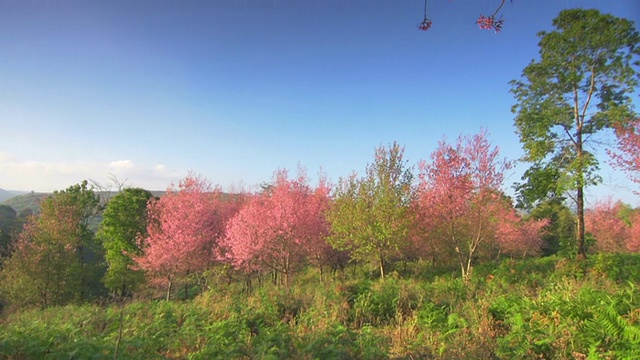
8	194
22	201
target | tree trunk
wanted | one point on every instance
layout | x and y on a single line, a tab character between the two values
582	253
381	267
120	328
467	274
169	287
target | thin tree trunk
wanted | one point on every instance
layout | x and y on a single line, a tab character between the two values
121	325
582	253
169	289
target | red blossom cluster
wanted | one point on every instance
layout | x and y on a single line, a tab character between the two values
425	24
485	22
489	22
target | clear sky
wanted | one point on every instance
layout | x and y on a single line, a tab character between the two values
234	89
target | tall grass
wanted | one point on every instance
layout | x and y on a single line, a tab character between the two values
545	308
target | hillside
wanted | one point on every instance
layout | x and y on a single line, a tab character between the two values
22	201
26	201
7	194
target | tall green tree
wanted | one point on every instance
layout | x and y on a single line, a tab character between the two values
580	86
369	217
55	259
124	223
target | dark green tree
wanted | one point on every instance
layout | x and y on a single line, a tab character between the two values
124	223
560	234
581	85
9	224
369	217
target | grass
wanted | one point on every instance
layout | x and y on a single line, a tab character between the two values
547	308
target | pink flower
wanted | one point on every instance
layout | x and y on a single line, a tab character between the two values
489	22
425	24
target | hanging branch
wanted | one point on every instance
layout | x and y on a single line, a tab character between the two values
490	22
485	22
426	22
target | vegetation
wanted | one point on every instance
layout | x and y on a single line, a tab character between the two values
528	309
581	85
401	251
54	260
370	217
124	223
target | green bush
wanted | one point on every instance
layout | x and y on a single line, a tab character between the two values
560	309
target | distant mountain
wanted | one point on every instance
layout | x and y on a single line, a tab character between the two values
24	201
21	201
8	194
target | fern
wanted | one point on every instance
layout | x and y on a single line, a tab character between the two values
614	328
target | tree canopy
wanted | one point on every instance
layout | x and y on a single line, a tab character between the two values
124	223
581	85
370	215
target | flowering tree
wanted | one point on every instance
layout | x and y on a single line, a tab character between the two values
321	253
516	236
609	229
457	196
633	244
628	156
279	228
184	227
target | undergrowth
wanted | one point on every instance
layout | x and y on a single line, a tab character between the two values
547	308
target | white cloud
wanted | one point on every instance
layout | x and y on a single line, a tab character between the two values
121	164
46	176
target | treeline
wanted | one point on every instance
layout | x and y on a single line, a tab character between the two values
450	212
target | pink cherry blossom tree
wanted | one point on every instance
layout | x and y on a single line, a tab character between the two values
457	193
280	228
627	157
184	228
605	224
516	236
633	243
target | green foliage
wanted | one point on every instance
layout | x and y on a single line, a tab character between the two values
548	314
581	85
124	223
9	225
619	267
377	306
370	216
560	234
27	203
56	259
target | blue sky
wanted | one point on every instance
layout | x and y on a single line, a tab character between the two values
234	89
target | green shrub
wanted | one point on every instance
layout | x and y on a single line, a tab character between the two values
618	267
